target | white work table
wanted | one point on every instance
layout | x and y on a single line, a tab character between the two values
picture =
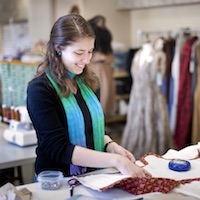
188	191
12	155
63	193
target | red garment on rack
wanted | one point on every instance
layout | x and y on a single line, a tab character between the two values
184	107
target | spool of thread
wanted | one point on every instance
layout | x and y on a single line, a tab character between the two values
17	115
12	110
4	110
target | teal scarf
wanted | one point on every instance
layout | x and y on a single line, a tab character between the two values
75	119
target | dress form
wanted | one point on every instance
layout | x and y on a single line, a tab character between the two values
147	48
147	127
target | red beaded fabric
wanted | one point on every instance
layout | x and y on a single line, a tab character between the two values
148	184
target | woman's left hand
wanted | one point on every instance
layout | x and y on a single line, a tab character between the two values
117	149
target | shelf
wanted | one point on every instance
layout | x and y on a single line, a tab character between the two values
18	62
116	118
122	96
120	74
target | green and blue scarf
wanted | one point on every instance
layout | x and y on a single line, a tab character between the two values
75	119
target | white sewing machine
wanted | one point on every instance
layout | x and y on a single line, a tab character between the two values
21	132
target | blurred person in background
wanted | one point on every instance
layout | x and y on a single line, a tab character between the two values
102	62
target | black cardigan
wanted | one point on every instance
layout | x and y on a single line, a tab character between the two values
54	151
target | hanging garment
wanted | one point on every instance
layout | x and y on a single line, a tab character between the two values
196	108
193	70
193	67
169	49
162	128
180	41
184	107
147	126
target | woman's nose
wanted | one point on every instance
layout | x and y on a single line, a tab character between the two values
87	58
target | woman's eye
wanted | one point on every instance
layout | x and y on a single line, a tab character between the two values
77	53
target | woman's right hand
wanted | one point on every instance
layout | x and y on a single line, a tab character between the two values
127	167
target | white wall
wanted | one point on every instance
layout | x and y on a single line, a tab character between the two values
22	9
123	24
40	18
62	7
117	21
1	41
164	19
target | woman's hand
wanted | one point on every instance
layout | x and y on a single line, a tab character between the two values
127	167
117	149
126	163
98	159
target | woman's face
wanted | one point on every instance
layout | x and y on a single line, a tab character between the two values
76	55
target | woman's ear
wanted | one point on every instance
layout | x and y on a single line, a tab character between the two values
57	47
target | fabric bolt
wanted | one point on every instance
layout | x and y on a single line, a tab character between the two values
76	128
184	107
196	109
147	126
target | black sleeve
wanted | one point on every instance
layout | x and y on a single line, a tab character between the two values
49	120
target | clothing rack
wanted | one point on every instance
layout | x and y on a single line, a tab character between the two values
141	33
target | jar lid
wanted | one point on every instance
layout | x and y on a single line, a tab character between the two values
50	175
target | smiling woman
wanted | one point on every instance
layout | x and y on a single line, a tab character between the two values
65	109
77	55
71	44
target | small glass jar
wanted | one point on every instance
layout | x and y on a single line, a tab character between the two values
50	180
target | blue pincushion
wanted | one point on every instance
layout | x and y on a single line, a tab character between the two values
179	165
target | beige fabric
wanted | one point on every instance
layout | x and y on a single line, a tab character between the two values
196	109
103	67
8	191
155	163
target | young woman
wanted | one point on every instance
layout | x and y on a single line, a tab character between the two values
65	110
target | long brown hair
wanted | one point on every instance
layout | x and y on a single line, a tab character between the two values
66	30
